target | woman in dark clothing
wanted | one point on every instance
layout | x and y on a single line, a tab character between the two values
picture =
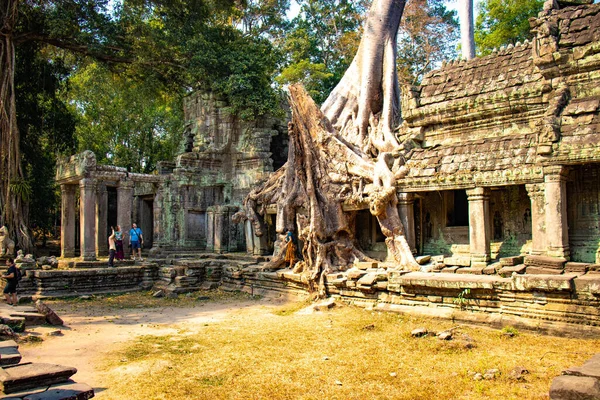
12	279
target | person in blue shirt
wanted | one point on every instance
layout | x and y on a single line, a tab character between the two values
136	240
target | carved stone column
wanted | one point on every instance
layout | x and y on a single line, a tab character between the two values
479	226
555	188
538	218
102	230
210	229
249	232
124	204
406	210
87	219
67	221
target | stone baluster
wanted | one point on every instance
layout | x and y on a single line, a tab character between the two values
406	210
538	219
87	219
479	226
124	205
555	189
102	230
67	225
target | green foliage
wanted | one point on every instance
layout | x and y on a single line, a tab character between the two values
462	300
502	22
46	128
126	123
321	43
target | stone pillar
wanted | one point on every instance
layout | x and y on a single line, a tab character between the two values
124	204
538	218
210	229
406	210
249	231
87	219
221	230
479	226
67	221
102	230
555	189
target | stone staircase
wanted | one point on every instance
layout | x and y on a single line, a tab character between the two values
37	381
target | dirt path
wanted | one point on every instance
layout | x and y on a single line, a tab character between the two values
91	331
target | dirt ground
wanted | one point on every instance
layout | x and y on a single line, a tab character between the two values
93	331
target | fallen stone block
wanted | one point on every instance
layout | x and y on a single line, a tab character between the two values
492	269
422	260
325	304
419	332
367	280
32	375
51	316
31	318
64	391
511	261
9	353
507	272
365	264
458	261
355	274
591	368
574	387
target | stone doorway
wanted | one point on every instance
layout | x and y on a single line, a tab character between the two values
146	220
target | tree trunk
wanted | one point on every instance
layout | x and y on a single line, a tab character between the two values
13	188
467	38
345	153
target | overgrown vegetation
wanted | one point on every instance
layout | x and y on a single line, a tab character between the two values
346	353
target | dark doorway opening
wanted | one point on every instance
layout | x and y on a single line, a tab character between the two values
458	209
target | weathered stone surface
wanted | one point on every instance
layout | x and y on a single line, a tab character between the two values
65	391
419	332
511	261
545	262
508	271
51	316
574	388
422	260
355	274
9	353
547	283
591	368
575	267
31	375
588	283
543	271
31	318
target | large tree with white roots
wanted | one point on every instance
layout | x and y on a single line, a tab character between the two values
467	36
348	153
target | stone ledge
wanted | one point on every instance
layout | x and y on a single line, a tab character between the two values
588	283
449	281
546	283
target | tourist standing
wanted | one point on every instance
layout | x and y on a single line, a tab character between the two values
290	252
112	248
136	240
119	254
12	280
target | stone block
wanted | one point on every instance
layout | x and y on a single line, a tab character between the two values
31	375
458	261
492	269
341	282
31	318
51	316
588	283
422	260
508	271
470	270
574	387
591	368
511	261
64	391
450	270
367	280
544	283
355	274
365	265
576	267
543	271
545	262
9	353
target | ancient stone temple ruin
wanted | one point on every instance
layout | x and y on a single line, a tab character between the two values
501	187
188	205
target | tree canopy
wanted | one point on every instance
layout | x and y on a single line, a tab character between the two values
503	22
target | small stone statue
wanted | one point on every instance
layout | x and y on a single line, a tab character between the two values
7	245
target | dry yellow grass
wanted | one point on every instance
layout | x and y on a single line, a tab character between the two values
345	353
